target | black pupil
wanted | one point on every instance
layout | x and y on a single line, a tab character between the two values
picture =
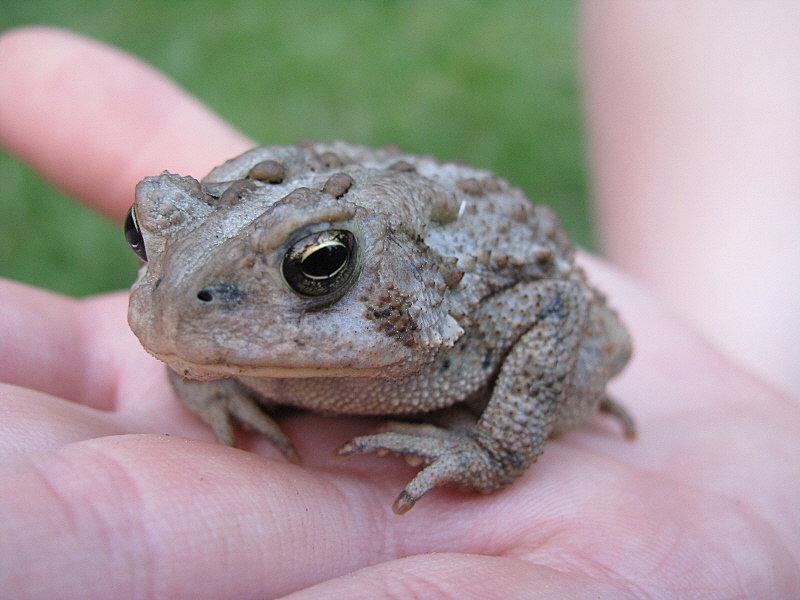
322	264
326	261
134	236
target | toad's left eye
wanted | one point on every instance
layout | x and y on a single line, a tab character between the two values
134	235
320	264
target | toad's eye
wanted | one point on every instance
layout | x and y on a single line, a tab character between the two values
320	264
134	235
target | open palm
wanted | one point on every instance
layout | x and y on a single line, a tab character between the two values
108	488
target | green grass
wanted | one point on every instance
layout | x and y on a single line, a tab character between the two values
490	83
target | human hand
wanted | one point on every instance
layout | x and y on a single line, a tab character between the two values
108	488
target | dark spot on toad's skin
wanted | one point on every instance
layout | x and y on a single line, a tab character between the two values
487	359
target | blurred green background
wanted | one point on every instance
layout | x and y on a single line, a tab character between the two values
494	84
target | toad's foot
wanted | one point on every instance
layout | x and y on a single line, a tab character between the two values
221	404
451	457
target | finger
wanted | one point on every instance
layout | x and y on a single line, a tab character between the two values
34	422
40	343
81	351
64	347
94	120
178	518
187	519
467	577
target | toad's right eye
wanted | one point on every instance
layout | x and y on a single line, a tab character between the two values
134	235
321	264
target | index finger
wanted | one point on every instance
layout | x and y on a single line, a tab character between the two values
94	120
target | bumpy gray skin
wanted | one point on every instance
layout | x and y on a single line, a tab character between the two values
463	308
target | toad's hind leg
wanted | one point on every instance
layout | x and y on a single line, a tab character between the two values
516	422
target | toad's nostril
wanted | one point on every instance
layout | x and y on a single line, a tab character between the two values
224	295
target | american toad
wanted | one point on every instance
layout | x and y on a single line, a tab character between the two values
348	280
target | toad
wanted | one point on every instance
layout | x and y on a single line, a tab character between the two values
354	281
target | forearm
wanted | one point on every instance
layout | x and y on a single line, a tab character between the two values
694	126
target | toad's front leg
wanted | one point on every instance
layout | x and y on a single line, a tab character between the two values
222	403
521	413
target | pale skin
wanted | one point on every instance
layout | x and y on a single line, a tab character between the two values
695	132
96	501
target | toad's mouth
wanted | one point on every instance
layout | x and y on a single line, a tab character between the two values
212	371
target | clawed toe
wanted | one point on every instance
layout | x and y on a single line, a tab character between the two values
450	458
424	448
248	413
